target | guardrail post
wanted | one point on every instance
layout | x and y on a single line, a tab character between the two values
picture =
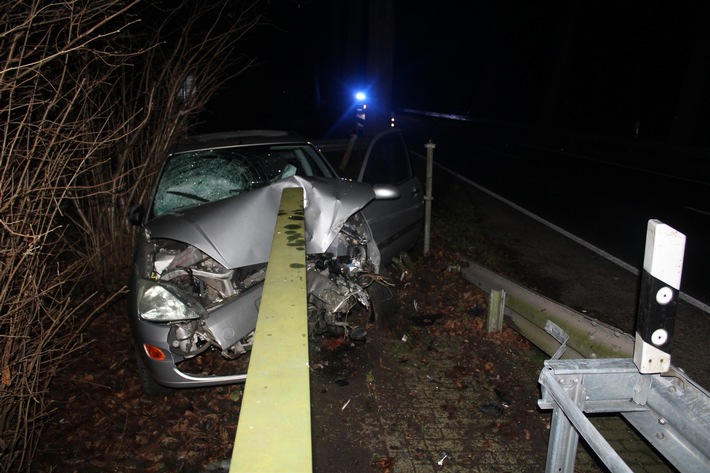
274	430
428	196
496	311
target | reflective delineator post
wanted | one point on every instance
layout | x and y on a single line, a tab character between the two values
428	197
658	299
274	431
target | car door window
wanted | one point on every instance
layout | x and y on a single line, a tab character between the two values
395	223
387	162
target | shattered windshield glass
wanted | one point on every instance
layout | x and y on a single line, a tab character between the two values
199	177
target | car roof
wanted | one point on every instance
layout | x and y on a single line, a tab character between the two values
236	138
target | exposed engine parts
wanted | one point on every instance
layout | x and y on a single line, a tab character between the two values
225	301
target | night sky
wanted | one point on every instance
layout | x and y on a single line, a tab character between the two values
585	66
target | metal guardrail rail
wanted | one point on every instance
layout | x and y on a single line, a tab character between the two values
274	430
666	408
670	411
529	313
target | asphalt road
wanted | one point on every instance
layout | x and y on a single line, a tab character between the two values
603	192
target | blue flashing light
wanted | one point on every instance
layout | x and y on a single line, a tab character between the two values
360	96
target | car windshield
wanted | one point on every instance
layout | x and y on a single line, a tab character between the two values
198	177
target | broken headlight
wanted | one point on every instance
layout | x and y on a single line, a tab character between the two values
161	302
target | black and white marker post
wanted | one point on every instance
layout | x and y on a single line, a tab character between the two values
660	286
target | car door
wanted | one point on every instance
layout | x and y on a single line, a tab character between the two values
397	223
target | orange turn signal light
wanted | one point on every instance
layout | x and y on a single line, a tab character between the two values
154	352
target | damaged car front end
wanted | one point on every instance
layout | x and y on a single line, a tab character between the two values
203	247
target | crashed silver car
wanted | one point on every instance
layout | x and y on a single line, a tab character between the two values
203	246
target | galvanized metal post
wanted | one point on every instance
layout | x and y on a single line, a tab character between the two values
562	446
496	311
568	392
428	196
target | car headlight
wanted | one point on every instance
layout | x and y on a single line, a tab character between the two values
160	302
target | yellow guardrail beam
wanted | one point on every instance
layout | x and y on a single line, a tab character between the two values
274	430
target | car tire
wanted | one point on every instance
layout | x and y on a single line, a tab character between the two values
384	305
150	386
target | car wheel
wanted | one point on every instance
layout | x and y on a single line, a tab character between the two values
384	305
150	386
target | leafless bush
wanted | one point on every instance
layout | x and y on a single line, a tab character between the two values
91	93
191	56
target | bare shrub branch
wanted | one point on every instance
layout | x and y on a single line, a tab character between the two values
92	95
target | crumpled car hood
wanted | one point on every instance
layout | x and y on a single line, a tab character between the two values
238	231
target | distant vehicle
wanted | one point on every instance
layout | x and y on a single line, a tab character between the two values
203	248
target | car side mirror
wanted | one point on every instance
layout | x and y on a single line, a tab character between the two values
386	192
136	214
